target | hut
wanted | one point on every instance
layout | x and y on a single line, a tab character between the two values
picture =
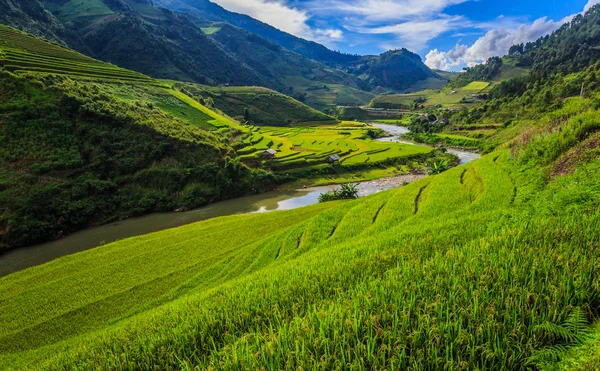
333	159
268	154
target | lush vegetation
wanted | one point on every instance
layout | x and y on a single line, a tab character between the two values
158	42
441	273
391	71
83	142
481	72
491	265
95	143
347	191
72	156
20	52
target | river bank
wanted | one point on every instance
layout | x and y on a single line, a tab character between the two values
286	198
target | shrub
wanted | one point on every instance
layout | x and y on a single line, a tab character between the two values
438	167
347	191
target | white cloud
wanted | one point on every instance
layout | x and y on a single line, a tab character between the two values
280	15
590	4
330	33
496	42
414	34
383	10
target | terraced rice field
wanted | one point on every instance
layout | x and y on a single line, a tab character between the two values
21	53
414	278
301	147
446	98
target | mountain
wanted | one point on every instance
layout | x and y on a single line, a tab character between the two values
273	62
137	35
396	69
406	68
208	10
160	43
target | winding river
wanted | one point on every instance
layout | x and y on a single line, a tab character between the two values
23	258
397	131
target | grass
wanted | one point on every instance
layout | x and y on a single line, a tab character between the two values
350	177
445	98
211	30
261	106
475	268
458	140
72	9
334	95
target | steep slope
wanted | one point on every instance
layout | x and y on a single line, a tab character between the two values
84	142
271	60
258	106
395	70
205	9
159	43
30	16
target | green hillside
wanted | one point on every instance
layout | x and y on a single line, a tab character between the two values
20	52
311	146
259	106
430	98
435	273
84	142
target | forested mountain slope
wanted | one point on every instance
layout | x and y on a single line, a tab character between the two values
159	43
569	49
205	9
84	142
137	35
405	68
30	16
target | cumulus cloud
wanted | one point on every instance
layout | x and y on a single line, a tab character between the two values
496	42
280	15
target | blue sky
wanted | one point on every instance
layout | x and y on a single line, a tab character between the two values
448	34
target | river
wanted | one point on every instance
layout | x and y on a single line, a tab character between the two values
23	258
397	131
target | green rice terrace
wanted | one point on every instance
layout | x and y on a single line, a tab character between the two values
318	136
299	147
21	53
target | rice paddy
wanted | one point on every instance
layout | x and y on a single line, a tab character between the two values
311	146
425	276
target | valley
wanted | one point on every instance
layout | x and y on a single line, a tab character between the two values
183	187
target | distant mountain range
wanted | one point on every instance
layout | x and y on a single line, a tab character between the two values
199	41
